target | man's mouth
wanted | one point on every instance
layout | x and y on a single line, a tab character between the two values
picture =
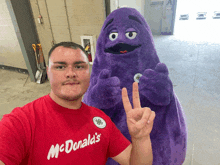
71	83
121	48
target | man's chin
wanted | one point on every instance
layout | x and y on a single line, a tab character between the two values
72	98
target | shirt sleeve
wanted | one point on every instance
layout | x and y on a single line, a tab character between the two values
118	142
13	139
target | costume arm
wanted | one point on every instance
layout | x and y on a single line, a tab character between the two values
175	119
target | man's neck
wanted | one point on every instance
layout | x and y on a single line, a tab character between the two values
75	104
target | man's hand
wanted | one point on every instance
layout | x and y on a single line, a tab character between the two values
139	120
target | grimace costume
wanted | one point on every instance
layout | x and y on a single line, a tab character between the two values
125	53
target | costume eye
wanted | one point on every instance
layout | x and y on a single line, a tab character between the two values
131	35
113	36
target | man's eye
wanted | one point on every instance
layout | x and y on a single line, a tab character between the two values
79	66
60	67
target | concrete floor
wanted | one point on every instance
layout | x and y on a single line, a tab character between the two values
195	72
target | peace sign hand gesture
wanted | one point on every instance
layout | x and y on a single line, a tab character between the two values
139	120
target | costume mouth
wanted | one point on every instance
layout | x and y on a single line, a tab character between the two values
121	48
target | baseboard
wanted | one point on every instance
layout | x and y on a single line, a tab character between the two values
20	70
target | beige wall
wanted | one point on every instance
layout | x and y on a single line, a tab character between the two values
85	17
10	51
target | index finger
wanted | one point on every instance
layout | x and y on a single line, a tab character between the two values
135	95
125	100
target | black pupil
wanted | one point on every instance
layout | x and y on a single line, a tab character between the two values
130	34
113	36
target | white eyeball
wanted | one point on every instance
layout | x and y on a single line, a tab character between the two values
131	35
113	36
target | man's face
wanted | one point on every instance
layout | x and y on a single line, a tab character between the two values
68	72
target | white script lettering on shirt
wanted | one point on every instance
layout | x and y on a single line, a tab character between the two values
72	146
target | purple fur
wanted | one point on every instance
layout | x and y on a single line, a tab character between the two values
112	70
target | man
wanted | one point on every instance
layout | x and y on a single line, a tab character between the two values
59	129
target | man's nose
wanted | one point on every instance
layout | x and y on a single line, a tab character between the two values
71	72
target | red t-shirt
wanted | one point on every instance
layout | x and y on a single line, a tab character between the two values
43	133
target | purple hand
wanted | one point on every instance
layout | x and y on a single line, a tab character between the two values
156	86
107	92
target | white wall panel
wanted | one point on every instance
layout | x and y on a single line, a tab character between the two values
10	51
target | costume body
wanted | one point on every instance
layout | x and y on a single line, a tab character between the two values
43	132
125	53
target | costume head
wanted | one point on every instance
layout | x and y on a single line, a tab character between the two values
125	43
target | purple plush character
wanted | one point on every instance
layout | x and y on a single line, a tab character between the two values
126	53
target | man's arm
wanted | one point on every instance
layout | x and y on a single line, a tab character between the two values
141	152
140	123
124	157
1	163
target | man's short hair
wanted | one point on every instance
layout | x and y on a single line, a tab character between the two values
67	45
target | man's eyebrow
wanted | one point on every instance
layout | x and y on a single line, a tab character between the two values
61	62
80	62
110	21
134	18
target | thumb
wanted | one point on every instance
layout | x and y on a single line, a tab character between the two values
149	73
161	67
104	74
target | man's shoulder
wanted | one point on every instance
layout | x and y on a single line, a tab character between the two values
34	102
28	108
